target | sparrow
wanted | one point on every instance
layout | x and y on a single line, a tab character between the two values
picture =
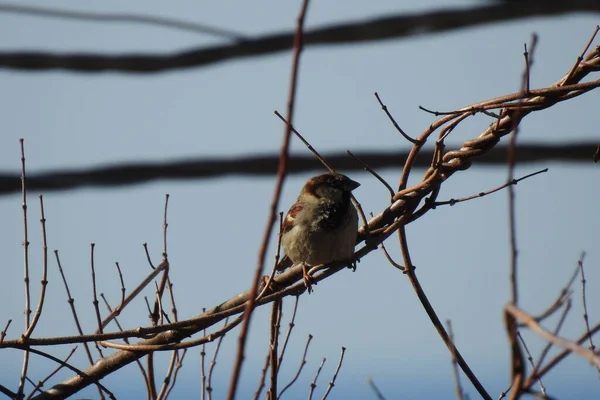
321	227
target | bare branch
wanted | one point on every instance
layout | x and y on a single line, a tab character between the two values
44	282
393	121
592	347
375	389
335	374
212	365
530	359
128	173
25	268
281	173
452	202
565	344
302	364
456	373
274	346
397	26
313	384
403	211
288	333
122	18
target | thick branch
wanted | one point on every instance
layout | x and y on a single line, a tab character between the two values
127	173
380	227
358	31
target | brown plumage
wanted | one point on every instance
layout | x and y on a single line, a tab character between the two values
321	227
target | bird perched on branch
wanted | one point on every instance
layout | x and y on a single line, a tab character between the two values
321	227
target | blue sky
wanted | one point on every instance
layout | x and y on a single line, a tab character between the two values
215	226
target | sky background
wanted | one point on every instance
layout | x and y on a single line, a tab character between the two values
74	120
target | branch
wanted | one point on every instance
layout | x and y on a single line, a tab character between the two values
123	18
281	174
396	26
548	336
127	173
402	211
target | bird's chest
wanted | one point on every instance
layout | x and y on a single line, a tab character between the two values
329	217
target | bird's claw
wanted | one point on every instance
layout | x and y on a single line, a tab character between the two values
353	263
308	279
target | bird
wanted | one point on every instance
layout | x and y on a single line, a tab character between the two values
322	225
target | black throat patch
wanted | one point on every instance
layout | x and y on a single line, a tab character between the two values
334	214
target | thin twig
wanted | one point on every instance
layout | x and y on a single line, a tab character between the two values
391	118
335	374
157	312
147	252
168	375
169	284
165	226
365	228
390	259
44	281
452	202
95	297
559	357
126	18
563	296
101	388
375	174
472	111
288	333
123	291
157	315
544	334
517	361
27	312
530	359
151	378
160	268
585	310
3	333
511	161
172	300
281	173
518	365
126	340
457	385
202	365
580	58
528	63
505	392
556	331
177	369
275	324
71	302
313	384
306	143
268	287
375	388
212	365
302	364
263	376
61	366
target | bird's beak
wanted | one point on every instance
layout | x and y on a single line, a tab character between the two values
350	185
